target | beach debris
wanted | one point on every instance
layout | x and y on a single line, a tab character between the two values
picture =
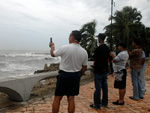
52	67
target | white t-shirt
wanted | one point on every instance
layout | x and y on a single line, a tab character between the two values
73	56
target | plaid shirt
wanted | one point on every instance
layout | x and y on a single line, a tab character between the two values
135	59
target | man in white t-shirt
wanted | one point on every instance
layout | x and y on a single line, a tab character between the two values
73	64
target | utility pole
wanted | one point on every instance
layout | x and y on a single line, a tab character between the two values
111	43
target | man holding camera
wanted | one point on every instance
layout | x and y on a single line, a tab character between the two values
73	64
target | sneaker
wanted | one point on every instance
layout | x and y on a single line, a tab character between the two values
117	103
95	107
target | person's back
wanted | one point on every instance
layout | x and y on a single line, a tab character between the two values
101	57
135	65
73	57
72	66
135	59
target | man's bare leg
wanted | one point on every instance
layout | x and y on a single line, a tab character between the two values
121	95
71	104
56	104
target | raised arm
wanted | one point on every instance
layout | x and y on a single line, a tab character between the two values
51	45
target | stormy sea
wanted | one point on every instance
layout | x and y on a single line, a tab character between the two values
23	62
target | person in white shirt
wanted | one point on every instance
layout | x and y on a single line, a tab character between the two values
120	72
73	64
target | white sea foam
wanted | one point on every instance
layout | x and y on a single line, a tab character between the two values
15	67
24	55
21	63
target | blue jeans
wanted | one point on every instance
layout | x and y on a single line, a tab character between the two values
142	78
137	88
101	83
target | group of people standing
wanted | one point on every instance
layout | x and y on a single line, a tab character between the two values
137	69
74	63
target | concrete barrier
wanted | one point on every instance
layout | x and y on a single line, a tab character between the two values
19	88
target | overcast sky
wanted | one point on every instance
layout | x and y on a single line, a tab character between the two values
28	24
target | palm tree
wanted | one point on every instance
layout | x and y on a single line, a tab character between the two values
125	25
145	38
88	42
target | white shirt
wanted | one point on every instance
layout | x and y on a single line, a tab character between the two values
73	56
121	60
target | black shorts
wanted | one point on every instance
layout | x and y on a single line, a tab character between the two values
120	79
68	83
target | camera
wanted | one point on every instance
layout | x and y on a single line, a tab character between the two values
51	39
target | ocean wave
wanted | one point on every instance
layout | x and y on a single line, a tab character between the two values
21	63
26	64
2	64
15	67
28	54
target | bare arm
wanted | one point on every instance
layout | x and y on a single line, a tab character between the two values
132	54
113	56
84	68
51	45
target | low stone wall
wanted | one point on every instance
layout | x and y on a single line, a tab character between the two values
43	87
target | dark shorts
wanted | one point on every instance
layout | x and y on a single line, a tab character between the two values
68	83
120	79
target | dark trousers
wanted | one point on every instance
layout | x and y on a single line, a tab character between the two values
101	83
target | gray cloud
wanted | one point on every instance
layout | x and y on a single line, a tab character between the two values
30	20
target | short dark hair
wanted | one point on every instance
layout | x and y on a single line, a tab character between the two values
102	36
77	35
137	41
123	44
